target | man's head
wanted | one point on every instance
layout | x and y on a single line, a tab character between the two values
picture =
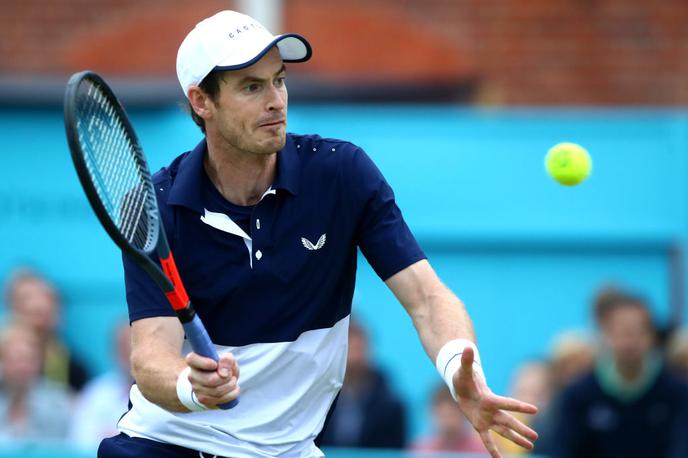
449	421
34	302
357	361
572	355
677	352
533	383
249	111
628	330
231	70
21	357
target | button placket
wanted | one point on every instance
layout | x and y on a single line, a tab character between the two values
260	226
257	233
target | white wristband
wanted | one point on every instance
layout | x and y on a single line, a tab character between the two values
449	361
186	394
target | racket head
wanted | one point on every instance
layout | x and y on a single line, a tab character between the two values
109	161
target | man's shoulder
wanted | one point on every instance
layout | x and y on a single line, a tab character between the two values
56	392
333	155
316	143
168	172
670	381
582	387
381	391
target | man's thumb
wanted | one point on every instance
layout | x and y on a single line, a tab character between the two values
467	358
224	366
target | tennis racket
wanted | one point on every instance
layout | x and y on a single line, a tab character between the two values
114	174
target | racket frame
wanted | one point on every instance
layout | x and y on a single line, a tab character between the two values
167	277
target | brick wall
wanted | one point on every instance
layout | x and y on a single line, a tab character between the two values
523	52
572	51
113	36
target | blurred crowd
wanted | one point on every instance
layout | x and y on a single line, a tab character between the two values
621	390
46	393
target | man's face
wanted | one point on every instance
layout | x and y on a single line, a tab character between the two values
20	357
532	383
35	303
627	332
449	420
357	356
250	112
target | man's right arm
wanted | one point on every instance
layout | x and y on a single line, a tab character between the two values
156	359
156	363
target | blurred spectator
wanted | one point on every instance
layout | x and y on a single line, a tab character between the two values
571	357
366	414
35	302
533	384
629	405
31	408
677	353
452	432
104	399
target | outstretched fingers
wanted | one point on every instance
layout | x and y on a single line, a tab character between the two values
513	436
503	419
514	405
490	444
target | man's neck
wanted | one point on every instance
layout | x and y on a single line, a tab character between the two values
241	177
630	371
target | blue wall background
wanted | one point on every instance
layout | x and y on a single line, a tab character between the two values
525	254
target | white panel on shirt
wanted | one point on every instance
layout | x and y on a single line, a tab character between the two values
286	390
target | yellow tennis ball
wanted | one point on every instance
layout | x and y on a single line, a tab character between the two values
568	163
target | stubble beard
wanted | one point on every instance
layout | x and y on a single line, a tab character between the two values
244	143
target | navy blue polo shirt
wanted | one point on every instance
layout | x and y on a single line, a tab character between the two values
286	265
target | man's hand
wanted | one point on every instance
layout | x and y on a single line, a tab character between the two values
486	411
213	382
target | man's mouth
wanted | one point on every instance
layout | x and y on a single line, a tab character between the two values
273	123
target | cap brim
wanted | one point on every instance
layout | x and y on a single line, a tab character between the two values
292	47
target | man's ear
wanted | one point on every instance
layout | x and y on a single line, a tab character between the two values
200	102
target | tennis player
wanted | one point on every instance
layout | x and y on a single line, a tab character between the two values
265	228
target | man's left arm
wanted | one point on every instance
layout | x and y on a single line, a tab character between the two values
445	329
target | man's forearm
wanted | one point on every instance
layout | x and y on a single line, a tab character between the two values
158	381
437	314
156	361
442	317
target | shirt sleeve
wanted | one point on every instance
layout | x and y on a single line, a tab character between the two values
382	234
144	298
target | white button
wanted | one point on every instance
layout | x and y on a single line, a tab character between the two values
257	223
259	255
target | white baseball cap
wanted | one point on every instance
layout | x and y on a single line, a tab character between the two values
230	41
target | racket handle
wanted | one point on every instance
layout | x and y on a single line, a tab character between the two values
201	344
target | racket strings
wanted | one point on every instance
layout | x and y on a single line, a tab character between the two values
120	178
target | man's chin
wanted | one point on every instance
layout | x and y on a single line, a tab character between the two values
272	145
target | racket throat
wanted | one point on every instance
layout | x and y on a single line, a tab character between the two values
177	293
186	314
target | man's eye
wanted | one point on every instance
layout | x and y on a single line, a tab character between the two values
279	82
253	87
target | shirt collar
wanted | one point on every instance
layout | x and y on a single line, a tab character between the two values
186	187
288	168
